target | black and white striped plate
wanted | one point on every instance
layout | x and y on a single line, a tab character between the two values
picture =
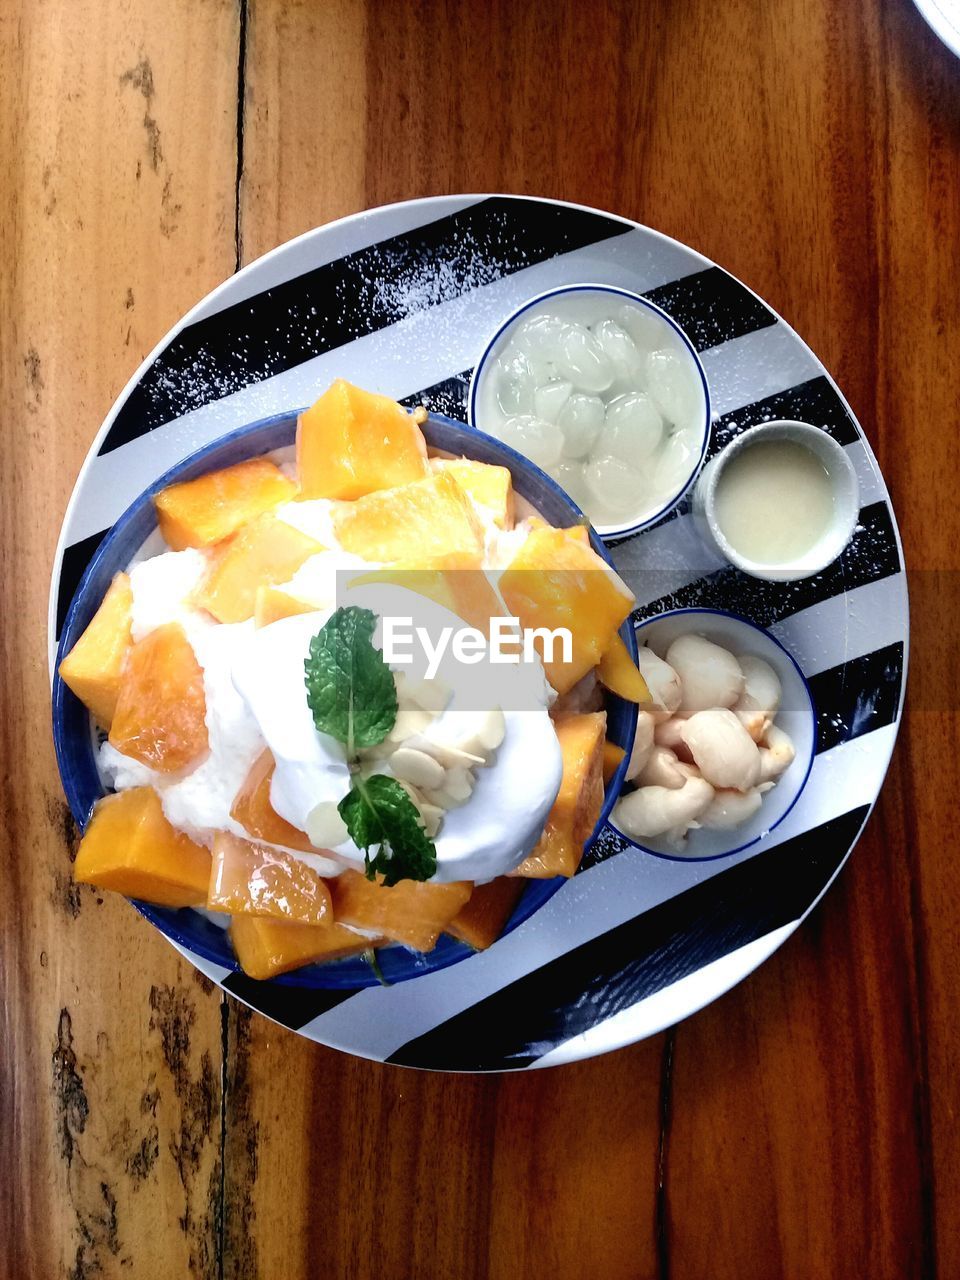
401	300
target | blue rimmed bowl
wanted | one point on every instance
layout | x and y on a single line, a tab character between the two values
75	736
797	716
599	296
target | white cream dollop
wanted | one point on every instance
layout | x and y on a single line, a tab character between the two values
487	835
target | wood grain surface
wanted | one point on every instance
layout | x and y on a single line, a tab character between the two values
803	1126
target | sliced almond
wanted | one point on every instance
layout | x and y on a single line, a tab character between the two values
418	768
325	828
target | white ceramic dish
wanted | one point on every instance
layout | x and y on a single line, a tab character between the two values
843	482
589	303
797	716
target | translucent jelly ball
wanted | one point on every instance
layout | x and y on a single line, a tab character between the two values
581	360
580	420
645	328
540	339
675	461
569	476
549	399
541	442
622	353
515	383
633	427
614	487
675	387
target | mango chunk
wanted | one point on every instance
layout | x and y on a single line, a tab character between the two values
412	912
250	879
198	513
480	921
578	532
612	755
253	810
619	673
576	809
130	847
415	524
459	586
555	581
491	486
270	604
92	667
265	947
353	442
264	552
160	717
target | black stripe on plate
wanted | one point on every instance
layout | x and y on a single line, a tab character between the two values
711	307
815	401
520	1023
74	564
870	555
292	1007
448	397
858	696
358	294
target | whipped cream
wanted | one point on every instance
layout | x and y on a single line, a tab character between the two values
489	834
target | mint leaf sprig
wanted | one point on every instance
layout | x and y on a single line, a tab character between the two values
350	689
353	698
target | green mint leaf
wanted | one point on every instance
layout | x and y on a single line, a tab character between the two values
381	816
350	689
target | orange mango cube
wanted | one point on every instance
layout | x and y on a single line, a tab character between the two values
262	553
92	667
413	912
480	921
198	513
253	810
490	486
554	581
270	604
612	755
353	442
266	947
459	586
618	671
160	717
131	848
576	809
251	879
417	524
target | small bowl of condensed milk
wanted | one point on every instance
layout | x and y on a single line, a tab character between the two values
780	502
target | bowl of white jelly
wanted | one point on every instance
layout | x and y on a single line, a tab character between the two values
603	391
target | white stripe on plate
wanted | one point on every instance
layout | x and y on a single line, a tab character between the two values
377	1021
846	626
758	365
659	1010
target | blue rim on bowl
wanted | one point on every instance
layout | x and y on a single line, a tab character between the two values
806	764
75	742
628	528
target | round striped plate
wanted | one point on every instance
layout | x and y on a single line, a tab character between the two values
401	300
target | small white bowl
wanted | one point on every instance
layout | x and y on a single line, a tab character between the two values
797	716
846	500
598	301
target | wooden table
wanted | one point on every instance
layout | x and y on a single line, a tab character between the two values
803	1126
